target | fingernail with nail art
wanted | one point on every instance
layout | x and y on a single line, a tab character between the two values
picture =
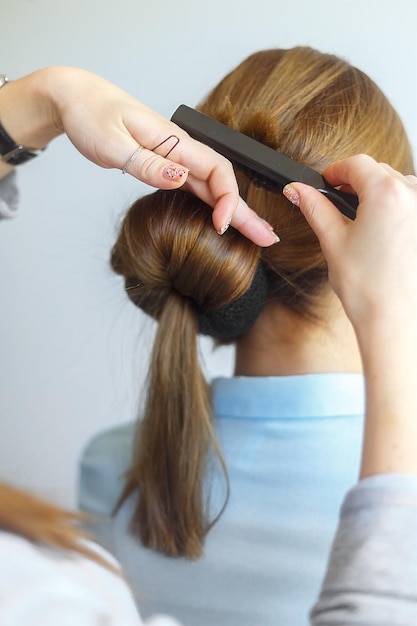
292	195
174	172
270	229
267	224
223	228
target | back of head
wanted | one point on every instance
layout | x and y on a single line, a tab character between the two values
316	109
313	107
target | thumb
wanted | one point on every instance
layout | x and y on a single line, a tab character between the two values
322	215
155	170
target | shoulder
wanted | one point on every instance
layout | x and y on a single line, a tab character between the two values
103	464
117	439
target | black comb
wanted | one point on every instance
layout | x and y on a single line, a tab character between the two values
256	157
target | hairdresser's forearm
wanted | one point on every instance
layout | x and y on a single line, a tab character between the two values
28	112
389	353
372	267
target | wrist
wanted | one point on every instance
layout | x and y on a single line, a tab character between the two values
389	354
389	351
27	110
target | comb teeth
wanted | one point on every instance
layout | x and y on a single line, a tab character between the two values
257	179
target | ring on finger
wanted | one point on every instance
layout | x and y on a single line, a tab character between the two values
132	158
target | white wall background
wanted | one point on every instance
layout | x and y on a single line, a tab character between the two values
72	350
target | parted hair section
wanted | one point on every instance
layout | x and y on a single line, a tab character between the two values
313	107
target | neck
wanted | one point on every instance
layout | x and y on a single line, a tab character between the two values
282	343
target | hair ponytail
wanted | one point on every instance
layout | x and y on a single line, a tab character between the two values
175	263
174	439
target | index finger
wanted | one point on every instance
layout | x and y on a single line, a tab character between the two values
243	218
212	178
212	169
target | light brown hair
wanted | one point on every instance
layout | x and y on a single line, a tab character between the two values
313	107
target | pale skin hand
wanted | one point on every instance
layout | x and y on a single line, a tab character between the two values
373	269
106	125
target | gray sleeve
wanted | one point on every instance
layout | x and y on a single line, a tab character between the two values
9	196
371	578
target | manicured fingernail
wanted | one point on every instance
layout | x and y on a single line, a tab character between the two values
267	224
223	228
174	172
270	229
292	195
274	235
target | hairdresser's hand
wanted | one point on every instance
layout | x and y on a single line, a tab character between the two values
106	125
373	268
372	260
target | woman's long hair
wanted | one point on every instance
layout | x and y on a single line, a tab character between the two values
313	107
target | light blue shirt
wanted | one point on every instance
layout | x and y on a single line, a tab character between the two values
292	449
